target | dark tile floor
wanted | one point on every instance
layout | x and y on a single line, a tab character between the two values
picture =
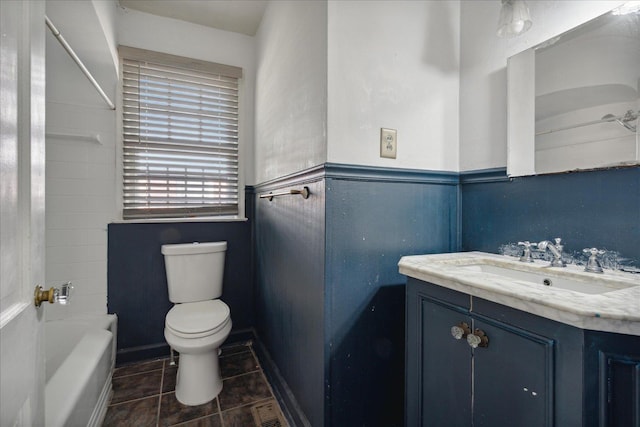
143	395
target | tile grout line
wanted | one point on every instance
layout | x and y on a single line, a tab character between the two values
139	363
220	410
138	373
223	379
266	380
130	400
164	363
183	423
257	370
249	404
239	375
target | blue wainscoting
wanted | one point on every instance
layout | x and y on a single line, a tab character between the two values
330	301
137	285
326	299
598	208
372	221
289	236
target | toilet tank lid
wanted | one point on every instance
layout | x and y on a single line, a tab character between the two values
194	248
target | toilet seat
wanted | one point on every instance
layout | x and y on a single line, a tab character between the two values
198	319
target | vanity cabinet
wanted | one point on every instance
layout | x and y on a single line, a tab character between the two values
532	372
612	379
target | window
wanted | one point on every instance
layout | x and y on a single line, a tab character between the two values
180	136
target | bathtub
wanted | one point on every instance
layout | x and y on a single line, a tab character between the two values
79	362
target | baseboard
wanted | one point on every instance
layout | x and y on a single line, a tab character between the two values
239	336
144	352
292	411
159	350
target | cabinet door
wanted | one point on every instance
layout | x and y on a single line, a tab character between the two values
620	380
612	394
446	368
513	378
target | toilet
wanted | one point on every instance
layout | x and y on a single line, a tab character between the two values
199	322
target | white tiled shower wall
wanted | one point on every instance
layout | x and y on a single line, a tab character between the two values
80	202
80	172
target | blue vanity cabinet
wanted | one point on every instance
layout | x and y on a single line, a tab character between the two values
440	380
612	390
513	377
525	376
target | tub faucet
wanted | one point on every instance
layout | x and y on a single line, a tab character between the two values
556	251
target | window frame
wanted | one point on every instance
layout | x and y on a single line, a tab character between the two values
198	65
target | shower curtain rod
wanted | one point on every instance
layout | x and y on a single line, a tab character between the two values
592	122
77	60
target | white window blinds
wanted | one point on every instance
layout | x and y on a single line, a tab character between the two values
180	136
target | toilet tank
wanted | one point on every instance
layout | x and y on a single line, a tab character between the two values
194	270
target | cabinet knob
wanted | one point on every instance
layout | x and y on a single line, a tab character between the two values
478	339
461	330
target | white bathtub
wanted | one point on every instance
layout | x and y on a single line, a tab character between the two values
79	362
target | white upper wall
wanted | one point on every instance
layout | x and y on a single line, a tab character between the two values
90	34
394	64
291	89
175	37
107	12
331	74
483	76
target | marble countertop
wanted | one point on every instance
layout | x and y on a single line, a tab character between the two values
614	311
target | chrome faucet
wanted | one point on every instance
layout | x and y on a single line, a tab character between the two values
526	253
556	251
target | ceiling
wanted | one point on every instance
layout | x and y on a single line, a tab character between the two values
238	16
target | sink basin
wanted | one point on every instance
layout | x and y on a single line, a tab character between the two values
608	302
592	284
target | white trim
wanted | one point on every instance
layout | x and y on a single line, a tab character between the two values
119	144
12	312
178	220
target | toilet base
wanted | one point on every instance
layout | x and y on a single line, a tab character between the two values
198	379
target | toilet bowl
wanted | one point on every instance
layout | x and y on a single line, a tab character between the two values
198	323
196	330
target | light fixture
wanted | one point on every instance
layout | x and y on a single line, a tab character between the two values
514	18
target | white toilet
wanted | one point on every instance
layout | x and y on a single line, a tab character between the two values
198	323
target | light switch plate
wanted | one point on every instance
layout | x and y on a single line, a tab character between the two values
388	143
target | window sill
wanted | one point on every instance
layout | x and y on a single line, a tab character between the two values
179	220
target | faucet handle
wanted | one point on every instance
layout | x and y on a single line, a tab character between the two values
593	264
526	254
559	244
593	251
527	244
